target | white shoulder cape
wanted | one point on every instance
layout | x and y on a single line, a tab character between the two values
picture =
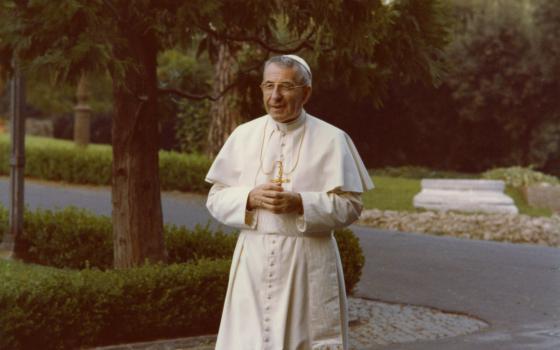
329	160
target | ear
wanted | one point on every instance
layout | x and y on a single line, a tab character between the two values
306	94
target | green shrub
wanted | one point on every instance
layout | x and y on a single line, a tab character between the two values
418	172
58	160
74	238
46	308
3	221
187	245
183	172
352	257
69	238
519	176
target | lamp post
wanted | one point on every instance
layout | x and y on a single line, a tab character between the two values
17	163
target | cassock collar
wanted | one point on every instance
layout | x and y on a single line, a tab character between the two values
294	124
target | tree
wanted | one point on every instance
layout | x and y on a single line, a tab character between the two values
499	86
547	30
124	37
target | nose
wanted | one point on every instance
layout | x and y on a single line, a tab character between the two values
275	94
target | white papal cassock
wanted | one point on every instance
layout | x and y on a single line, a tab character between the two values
286	286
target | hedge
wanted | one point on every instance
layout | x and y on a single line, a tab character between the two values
61	308
58	160
47	308
75	238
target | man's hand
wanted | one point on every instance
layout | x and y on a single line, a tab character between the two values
271	196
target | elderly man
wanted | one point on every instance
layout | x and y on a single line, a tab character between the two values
286	179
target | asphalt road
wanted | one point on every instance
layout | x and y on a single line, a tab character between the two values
178	208
514	288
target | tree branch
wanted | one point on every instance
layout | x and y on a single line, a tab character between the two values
188	95
200	97
256	40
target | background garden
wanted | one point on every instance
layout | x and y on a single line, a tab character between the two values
434	89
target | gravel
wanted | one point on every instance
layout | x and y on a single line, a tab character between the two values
371	323
514	228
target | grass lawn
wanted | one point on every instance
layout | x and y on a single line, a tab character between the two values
396	193
392	193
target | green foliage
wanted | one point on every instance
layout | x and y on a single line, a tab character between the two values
187	245
418	172
183	172
500	88
59	160
4	221
352	257
519	176
70	238
76	239
520	200
51	99
46	308
192	126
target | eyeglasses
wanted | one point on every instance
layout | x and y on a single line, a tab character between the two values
282	88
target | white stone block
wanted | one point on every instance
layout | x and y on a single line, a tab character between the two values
464	195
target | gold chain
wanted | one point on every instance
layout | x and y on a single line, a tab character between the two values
262	148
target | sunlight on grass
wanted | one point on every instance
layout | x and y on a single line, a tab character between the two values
391	193
523	206
397	193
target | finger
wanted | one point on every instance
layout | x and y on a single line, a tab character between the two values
271	194
272	201
273	187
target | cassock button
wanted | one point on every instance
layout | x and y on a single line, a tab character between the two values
266	340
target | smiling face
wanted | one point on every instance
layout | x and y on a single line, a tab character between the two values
284	105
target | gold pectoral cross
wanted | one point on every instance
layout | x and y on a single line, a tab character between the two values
280	180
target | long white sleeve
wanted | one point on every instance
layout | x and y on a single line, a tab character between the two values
325	211
229	206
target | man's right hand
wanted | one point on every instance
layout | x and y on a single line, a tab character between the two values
264	196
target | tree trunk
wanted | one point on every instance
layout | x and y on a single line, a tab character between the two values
225	114
82	113
137	214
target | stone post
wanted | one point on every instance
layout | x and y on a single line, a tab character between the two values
82	114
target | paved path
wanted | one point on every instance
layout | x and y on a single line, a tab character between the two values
178	208
515	288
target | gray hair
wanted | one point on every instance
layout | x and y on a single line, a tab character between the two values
302	73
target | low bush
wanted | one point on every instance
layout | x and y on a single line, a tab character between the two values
46	308
418	172
49	308
58	160
76	239
519	176
352	257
